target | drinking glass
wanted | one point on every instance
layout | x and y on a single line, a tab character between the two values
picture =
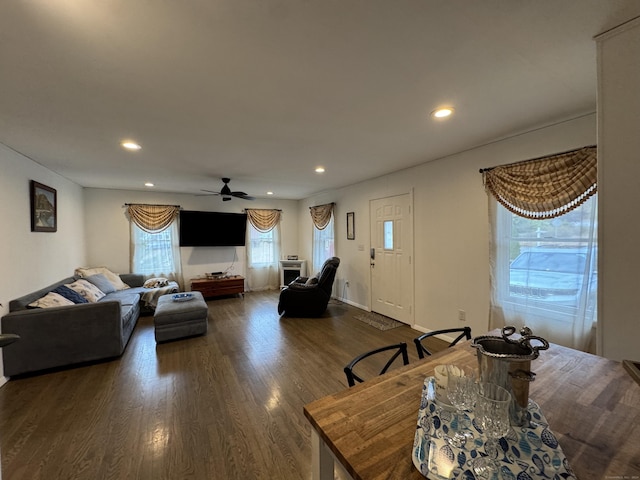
492	414
462	392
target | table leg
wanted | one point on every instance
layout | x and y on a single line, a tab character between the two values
321	458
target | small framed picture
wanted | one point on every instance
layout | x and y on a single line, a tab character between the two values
44	213
351	232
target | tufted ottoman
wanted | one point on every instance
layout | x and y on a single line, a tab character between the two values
179	319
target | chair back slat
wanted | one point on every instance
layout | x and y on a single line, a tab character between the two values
464	332
400	349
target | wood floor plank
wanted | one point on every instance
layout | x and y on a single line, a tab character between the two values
227	405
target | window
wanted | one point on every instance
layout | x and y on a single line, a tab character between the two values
323	248
263	247
154	253
546	273
263	254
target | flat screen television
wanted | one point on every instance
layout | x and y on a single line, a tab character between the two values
212	229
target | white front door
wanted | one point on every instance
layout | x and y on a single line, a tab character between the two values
392	257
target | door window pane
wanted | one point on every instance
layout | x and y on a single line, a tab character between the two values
388	235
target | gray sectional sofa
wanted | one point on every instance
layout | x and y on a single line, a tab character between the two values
70	334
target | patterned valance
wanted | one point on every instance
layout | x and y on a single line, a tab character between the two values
545	187
153	218
321	215
263	220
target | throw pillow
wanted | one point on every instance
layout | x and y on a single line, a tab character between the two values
51	299
102	282
156	282
69	294
115	279
87	290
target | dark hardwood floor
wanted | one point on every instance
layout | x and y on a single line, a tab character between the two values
227	405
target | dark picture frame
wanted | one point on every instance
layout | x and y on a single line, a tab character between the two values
351	226
44	208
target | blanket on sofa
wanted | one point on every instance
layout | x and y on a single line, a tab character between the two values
151	296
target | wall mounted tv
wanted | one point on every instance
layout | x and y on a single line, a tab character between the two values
212	229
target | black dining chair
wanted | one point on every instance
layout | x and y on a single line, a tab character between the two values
464	332
396	350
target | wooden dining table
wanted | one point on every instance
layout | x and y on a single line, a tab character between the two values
591	403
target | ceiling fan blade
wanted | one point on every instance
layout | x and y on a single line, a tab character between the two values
226	192
244	197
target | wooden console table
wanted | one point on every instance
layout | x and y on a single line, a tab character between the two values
218	287
591	403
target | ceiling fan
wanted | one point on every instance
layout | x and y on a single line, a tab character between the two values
226	192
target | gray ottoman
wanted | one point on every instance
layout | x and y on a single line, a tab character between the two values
174	319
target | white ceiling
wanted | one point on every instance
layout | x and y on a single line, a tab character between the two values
263	91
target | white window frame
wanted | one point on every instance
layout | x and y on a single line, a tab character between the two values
262	245
323	244
166	243
569	324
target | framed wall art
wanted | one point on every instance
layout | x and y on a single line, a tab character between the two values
44	213
351	227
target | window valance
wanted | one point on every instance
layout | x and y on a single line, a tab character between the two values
545	187
153	218
263	220
321	215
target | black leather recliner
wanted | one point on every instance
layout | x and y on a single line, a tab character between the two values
309	296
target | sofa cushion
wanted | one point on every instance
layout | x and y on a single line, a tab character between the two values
102	282
69	294
123	296
51	299
115	280
87	290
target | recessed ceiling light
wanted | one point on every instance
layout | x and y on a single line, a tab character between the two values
442	112
149	184
319	169
129	145
269	193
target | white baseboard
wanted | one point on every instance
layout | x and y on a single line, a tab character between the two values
353	304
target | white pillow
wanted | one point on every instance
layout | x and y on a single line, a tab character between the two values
156	282
51	299
115	279
87	290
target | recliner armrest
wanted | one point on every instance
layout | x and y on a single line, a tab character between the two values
302	286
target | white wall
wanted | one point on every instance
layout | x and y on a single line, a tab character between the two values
451	231
108	229
32	260
450	217
619	191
